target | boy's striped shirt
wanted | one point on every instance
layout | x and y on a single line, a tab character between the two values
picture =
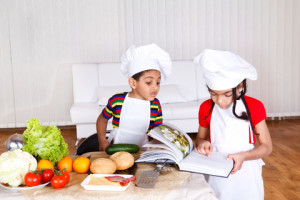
114	107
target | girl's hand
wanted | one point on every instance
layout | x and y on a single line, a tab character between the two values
238	158
204	147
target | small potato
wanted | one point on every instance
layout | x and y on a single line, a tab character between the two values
123	160
103	166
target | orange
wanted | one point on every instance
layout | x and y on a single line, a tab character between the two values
44	164
81	165
65	163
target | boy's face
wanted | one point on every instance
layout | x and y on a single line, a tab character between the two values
223	98
147	87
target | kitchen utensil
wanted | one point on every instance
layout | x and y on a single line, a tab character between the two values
14	141
147	179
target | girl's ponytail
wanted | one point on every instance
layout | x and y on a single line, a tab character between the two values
244	116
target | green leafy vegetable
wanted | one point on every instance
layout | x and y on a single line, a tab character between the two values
44	142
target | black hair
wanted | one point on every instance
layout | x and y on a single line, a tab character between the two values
138	75
245	115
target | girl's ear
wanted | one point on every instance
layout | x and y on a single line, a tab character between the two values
132	83
240	87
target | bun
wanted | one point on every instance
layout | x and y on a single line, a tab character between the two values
123	160
103	166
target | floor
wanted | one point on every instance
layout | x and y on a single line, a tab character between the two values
282	170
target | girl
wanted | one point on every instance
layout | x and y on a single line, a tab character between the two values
229	122
136	112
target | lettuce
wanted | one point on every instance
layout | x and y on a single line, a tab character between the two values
44	142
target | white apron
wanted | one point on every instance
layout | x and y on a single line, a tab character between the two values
232	135
134	122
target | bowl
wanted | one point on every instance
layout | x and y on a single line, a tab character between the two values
14	141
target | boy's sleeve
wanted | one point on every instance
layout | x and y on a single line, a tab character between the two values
159	117
107	112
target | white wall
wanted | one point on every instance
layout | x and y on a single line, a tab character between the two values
39	40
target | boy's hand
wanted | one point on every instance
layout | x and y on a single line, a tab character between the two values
204	147
238	158
103	145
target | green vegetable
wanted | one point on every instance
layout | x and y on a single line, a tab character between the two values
14	165
113	148
44	142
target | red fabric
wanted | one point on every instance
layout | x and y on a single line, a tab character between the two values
251	136
256	109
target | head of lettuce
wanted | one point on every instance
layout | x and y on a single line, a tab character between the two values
44	142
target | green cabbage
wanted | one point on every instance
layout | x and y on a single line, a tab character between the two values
44	142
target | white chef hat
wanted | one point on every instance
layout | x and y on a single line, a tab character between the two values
223	70
138	59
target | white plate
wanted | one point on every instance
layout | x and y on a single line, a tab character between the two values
85	182
24	187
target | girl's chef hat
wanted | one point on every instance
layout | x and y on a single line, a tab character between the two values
138	59
223	70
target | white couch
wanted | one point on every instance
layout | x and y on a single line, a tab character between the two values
180	96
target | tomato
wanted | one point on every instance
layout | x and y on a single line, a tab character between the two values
58	181
47	175
66	175
32	179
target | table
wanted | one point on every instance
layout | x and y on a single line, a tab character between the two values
172	185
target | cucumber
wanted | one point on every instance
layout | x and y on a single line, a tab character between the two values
113	148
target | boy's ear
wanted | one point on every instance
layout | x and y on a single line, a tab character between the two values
132	83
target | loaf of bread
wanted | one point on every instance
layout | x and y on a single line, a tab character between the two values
103	166
123	160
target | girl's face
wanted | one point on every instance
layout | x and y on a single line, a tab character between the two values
223	98
147	86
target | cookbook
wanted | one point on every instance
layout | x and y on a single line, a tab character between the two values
176	147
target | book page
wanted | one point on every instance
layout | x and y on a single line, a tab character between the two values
177	140
158	145
216	164
154	156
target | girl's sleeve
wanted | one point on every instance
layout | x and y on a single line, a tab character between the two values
159	117
257	111
203	112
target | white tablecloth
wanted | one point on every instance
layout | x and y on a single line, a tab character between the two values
170	186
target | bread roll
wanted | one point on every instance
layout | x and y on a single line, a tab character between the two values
123	160
103	166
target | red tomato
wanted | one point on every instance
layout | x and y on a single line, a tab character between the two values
32	179
66	175
47	175
58	181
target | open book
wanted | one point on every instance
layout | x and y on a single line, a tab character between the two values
177	147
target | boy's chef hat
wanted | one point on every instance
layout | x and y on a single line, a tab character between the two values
138	59
223	70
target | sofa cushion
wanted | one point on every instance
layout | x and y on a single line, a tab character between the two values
111	75
184	76
105	92
167	93
188	110
202	90
170	94
85	112
85	82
